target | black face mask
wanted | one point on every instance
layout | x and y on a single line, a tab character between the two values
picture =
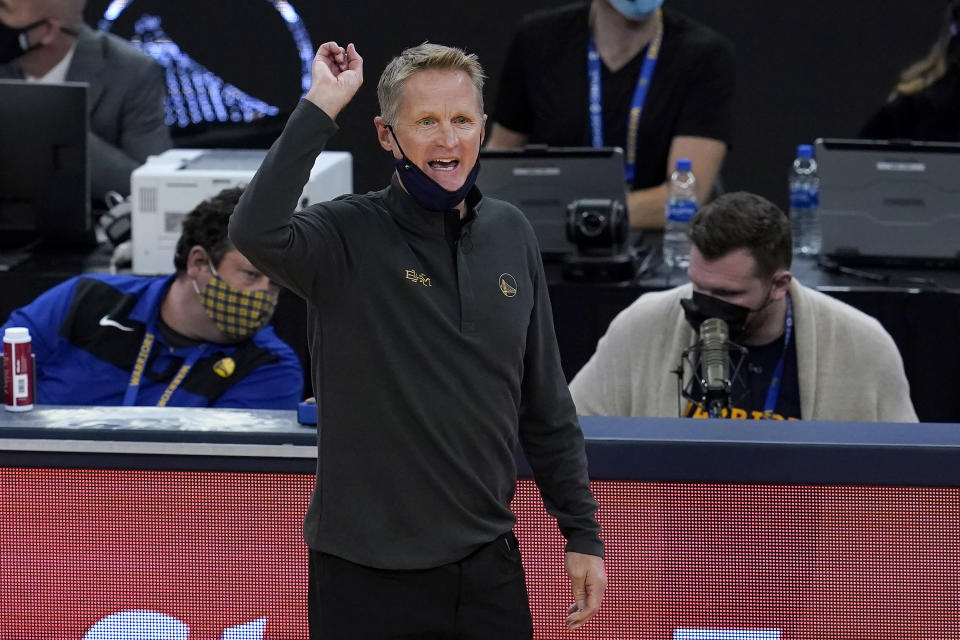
701	306
15	42
424	190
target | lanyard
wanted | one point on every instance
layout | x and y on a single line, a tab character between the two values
773	393
594	67
133	387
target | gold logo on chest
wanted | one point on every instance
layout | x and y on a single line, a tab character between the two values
413	276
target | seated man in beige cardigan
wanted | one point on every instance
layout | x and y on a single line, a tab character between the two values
834	362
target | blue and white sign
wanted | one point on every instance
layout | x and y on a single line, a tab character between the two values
196	94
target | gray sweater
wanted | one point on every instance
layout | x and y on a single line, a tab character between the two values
428	364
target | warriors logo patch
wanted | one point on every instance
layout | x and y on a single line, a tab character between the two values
508	285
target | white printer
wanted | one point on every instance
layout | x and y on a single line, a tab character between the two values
170	185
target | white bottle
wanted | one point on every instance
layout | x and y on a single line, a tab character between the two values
680	207
805	203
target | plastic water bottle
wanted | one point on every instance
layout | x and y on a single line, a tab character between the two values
681	205
805	203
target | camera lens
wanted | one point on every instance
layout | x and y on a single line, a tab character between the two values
591	223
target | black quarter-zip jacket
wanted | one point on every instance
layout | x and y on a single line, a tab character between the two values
428	364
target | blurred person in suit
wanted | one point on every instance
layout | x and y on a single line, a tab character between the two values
47	41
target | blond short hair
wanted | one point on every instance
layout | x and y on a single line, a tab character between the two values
420	58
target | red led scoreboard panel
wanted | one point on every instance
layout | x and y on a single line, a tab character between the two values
196	555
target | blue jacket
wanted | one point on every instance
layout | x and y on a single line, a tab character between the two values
88	331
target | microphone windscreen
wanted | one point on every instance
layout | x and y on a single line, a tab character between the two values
714	335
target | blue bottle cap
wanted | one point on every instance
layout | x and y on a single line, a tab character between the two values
805	151
683	164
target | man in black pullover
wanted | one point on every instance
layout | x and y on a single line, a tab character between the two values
433	351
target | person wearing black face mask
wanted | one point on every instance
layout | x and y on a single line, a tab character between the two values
429	322
46	41
809	356
700	307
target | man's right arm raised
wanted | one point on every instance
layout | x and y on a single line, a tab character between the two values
294	249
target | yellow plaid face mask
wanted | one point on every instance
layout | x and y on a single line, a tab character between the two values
239	314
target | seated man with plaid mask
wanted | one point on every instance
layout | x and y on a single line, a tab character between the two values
197	338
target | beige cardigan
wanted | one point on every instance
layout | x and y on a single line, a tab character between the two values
848	365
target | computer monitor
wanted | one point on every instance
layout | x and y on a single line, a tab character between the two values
890	202
542	181
44	181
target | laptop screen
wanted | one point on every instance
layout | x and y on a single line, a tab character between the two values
44	186
889	202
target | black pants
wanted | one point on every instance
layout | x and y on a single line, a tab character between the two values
482	596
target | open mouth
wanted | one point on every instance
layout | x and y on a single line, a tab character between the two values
444	164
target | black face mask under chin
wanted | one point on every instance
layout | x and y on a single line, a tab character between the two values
424	190
15	42
700	306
